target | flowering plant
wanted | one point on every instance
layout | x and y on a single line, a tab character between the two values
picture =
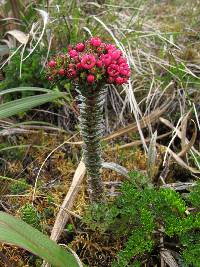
89	66
92	62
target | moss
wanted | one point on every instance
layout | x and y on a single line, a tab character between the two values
19	187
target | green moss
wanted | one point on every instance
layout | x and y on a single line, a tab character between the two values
19	187
194	196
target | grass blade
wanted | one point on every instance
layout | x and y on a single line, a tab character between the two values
16	232
20	105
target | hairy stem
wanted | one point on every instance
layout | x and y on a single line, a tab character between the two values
91	125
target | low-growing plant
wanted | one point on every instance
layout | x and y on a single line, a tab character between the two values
30	215
142	214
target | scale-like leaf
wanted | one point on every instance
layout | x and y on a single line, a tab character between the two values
16	232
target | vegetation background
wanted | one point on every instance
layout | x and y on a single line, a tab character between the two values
152	128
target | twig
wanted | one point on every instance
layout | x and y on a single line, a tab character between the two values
179	186
67	204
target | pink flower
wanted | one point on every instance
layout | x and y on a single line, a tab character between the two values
122	60
110	47
115	54
78	66
70	73
99	49
125	80
106	59
119	80
52	64
90	78
124	69
76	59
80	47
61	72
99	63
71	66
73	72
95	41
92	61
113	70
73	53
88	61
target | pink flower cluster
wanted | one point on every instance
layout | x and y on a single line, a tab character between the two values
92	62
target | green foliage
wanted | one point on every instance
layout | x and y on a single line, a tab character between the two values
30	215
48	212
16	232
21	105
190	238
180	74
31	73
191	254
10	152
69	228
194	196
140	212
19	187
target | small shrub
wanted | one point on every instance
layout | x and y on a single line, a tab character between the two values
138	215
30	215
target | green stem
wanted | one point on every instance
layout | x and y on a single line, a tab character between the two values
91	125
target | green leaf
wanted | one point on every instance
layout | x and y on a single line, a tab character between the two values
16	232
21	89
20	105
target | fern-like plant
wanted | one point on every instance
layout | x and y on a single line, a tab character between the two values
30	215
142	214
